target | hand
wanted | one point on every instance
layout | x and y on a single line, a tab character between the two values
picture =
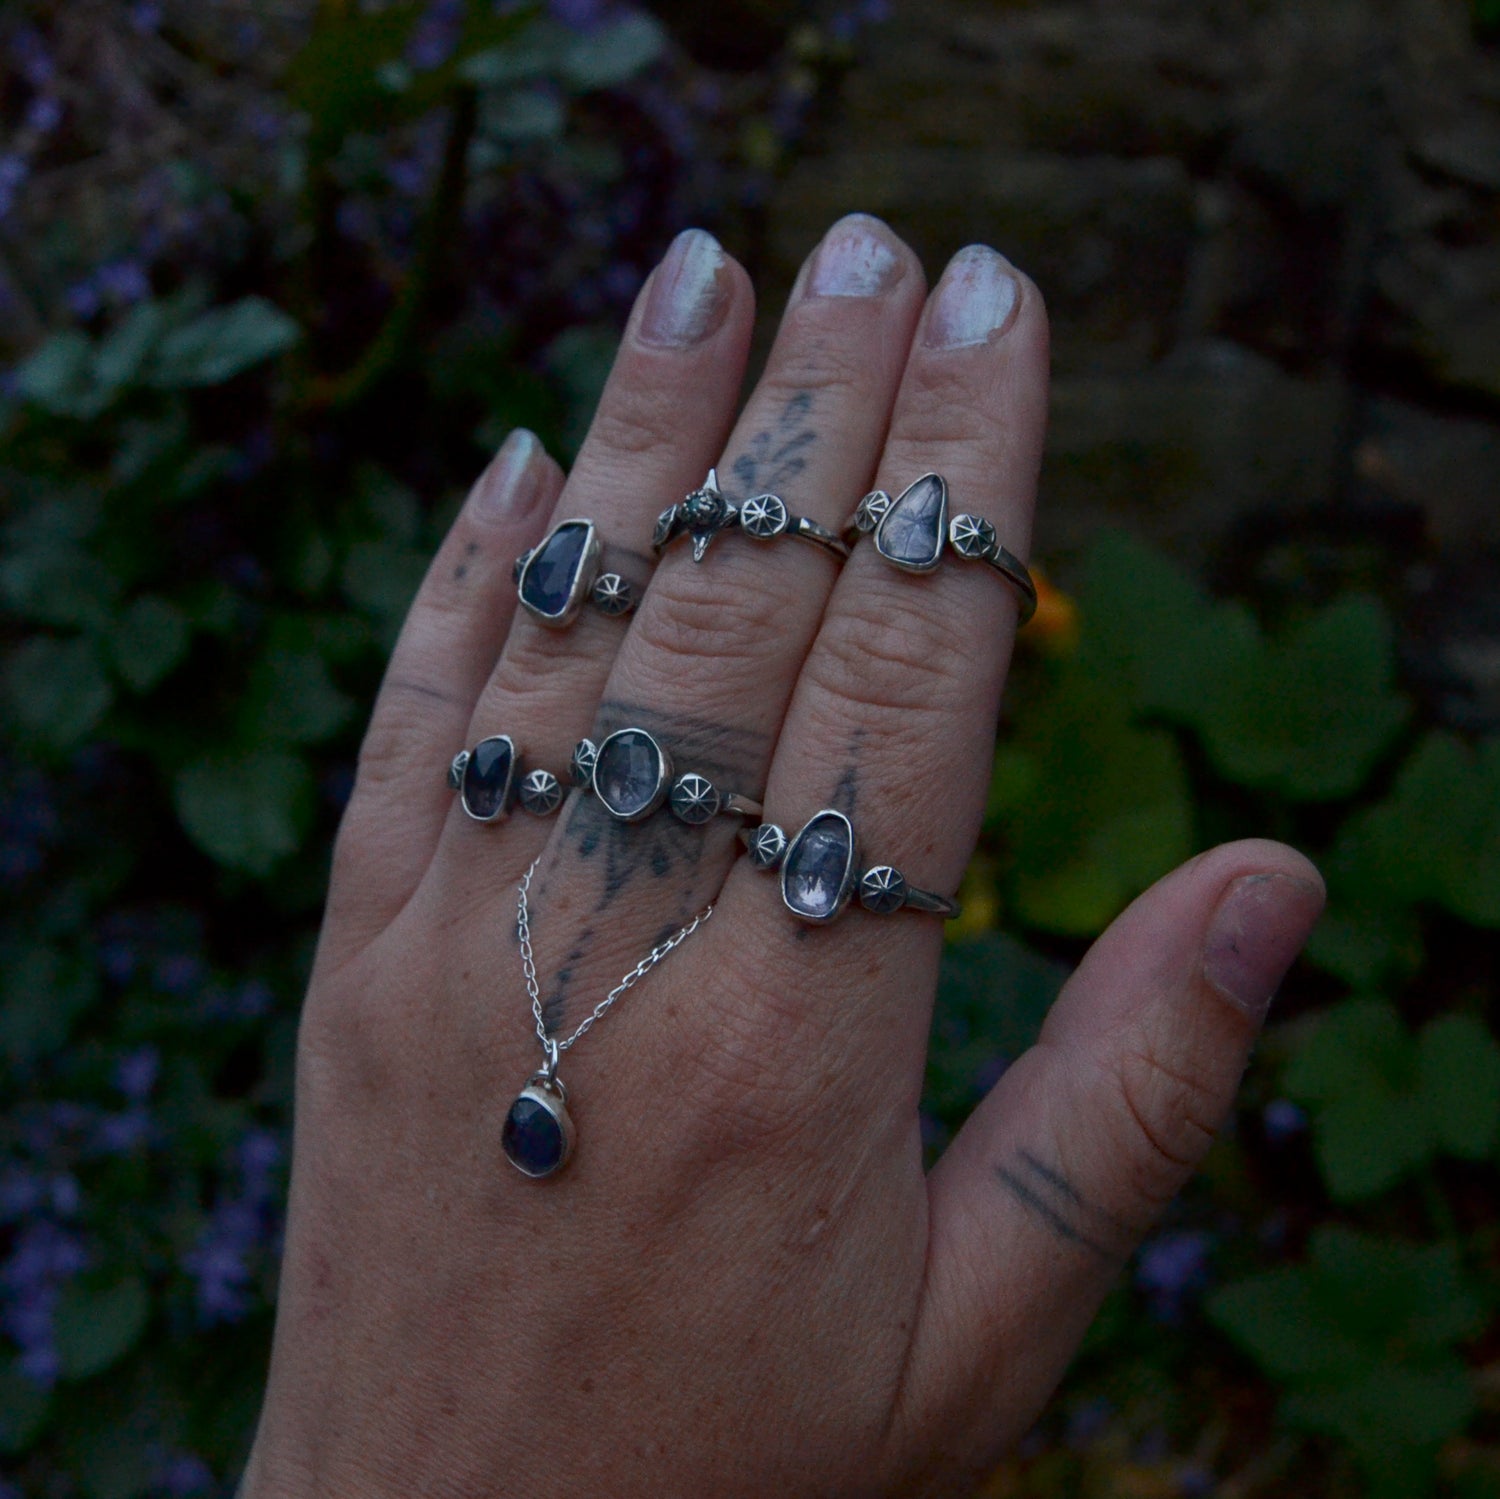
743	1283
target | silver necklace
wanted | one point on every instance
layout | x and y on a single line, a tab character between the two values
538	1135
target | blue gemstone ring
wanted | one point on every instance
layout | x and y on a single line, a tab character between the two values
559	575
706	512
820	872
489	782
632	774
911	529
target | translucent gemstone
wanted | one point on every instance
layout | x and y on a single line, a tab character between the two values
532	1137
548	580
815	872
629	776
487	777
912	531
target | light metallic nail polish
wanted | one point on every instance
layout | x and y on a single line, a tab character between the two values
688	296
855	259
976	300
505	488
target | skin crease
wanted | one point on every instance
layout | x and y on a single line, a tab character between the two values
743	1283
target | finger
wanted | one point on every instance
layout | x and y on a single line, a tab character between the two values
713	653
893	717
446	648
665	410
1084	1141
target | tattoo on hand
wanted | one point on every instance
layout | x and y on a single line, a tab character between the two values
1048	1194
776	454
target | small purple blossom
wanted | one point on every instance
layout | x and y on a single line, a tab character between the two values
184	1474
83	300
21	1194
1282	1121
1088	1422
65	1195
123	282
44	114
581	15
1171	1270
136	1072
219	1262
30	52
14	170
120	1134
259	1156
435	35
43	1257
1196	1482
179	973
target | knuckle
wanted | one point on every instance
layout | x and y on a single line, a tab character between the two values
815	364
1170	1118
633	420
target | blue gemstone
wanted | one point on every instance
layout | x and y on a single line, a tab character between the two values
532	1137
487	777
549	583
912	531
815	875
629	774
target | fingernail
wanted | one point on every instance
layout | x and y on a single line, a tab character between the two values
1259	928
688	297
976	300
507	487
854	260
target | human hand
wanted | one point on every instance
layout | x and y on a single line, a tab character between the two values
743	1283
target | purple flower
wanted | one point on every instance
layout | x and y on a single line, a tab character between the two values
124	281
1087	1423
1171	1270
183	1474
1282	1121
179	973
580	15
66	1198
145	16
42	1258
260	1155
83	300
136	1071
119	1134
1195	1482
13	173
31	54
20	1194
44	114
435	35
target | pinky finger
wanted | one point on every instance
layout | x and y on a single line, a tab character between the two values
446	650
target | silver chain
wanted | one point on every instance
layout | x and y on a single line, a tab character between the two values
554	1049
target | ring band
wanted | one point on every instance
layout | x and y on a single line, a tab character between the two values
558	576
632	774
488	781
706	512
911	529
820	872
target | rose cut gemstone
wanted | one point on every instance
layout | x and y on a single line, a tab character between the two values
549	581
816	874
911	532
630	774
532	1137
487	778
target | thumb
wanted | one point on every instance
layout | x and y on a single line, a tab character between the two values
1066	1164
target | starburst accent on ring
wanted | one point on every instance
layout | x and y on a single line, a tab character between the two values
694	798
541	795
972	536
456	769
882	890
767	846
666	526
872	510
764	516
613	595
581	766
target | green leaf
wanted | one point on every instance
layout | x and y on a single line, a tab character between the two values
24	1409
1276	1318
382	579
614	53
1104	810
59	377
1366	948
148	641
1367	1140
1355	1045
57	690
61	586
292	698
97	1328
1458	1065
1308	714
44	991
246	811
221	343
122	354
1392	1407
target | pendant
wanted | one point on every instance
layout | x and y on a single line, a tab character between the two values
538	1134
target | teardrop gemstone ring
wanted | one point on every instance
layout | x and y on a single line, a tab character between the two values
559	575
820	872
632	774
911	529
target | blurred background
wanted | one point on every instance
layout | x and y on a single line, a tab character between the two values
276	277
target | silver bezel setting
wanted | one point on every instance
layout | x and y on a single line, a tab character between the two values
581	766
764	516
663	776
541	793
767	846
871	511
613	594
583	576
507	791
694	798
846	883
942	527
882	889
550	1096
972	537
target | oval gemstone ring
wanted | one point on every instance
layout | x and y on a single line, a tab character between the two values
820	871
911	529
706	512
559	575
489	782
632	774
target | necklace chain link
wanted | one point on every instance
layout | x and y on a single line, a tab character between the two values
554	1049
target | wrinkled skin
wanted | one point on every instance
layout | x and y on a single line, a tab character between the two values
743	1283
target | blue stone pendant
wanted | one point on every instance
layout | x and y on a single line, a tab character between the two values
817	871
538	1134
555	579
911	533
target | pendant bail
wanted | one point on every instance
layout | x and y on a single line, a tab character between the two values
549	1069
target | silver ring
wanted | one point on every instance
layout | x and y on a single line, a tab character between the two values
706	512
558	576
632	774
820	872
489	781
910	532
